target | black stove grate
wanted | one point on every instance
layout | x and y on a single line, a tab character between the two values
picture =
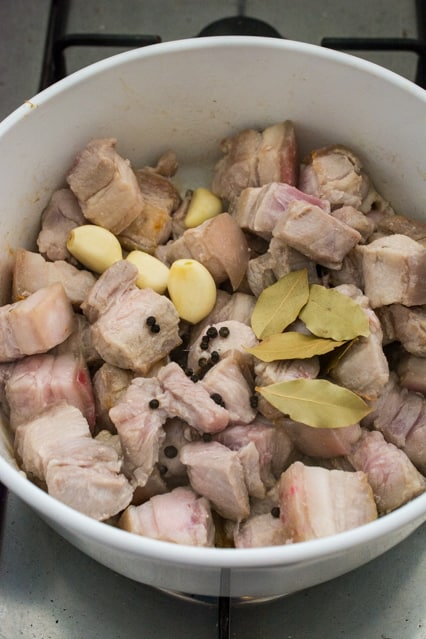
58	40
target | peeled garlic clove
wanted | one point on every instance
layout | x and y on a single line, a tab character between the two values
94	246
152	272
192	289
204	205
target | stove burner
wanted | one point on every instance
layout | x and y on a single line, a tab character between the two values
239	25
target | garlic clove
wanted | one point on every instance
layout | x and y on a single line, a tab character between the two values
192	289
94	246
204	205
152	273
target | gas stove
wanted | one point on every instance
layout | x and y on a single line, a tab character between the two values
48	589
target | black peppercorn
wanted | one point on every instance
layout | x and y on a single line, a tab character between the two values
151	320
170	451
217	398
254	401
207	437
211	332
162	469
189	372
154	403
155	328
194	378
275	512
214	356
224	331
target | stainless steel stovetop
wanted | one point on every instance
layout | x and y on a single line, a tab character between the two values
50	590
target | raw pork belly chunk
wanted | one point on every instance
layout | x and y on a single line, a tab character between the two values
180	516
316	502
57	448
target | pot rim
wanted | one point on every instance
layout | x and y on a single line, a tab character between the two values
213	42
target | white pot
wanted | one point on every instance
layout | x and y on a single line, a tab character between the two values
186	96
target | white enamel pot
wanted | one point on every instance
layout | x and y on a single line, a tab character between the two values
186	96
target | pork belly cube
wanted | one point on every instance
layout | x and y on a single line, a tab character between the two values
350	273
35	324
316	502
264	451
336	174
116	281
392	476
139	424
61	215
216	472
180	517
363	368
400	415
258	209
218	243
118	311
394	271
32	272
191	401
60	431
254	158
356	219
259	531
83	473
405	325
388	223
321	442
153	226
109	385
105	186
39	381
316	234
260	273
96	492
232	335
412	373
225	382
287	259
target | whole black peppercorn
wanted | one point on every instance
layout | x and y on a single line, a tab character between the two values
254	401
189	372
194	378
214	356
211	332
224	331
275	512
170	451
162	469
155	328
207	437
154	403
202	362
151	320
204	345
217	398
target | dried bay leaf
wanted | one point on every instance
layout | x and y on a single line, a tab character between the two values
316	402
279	304
330	314
292	345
